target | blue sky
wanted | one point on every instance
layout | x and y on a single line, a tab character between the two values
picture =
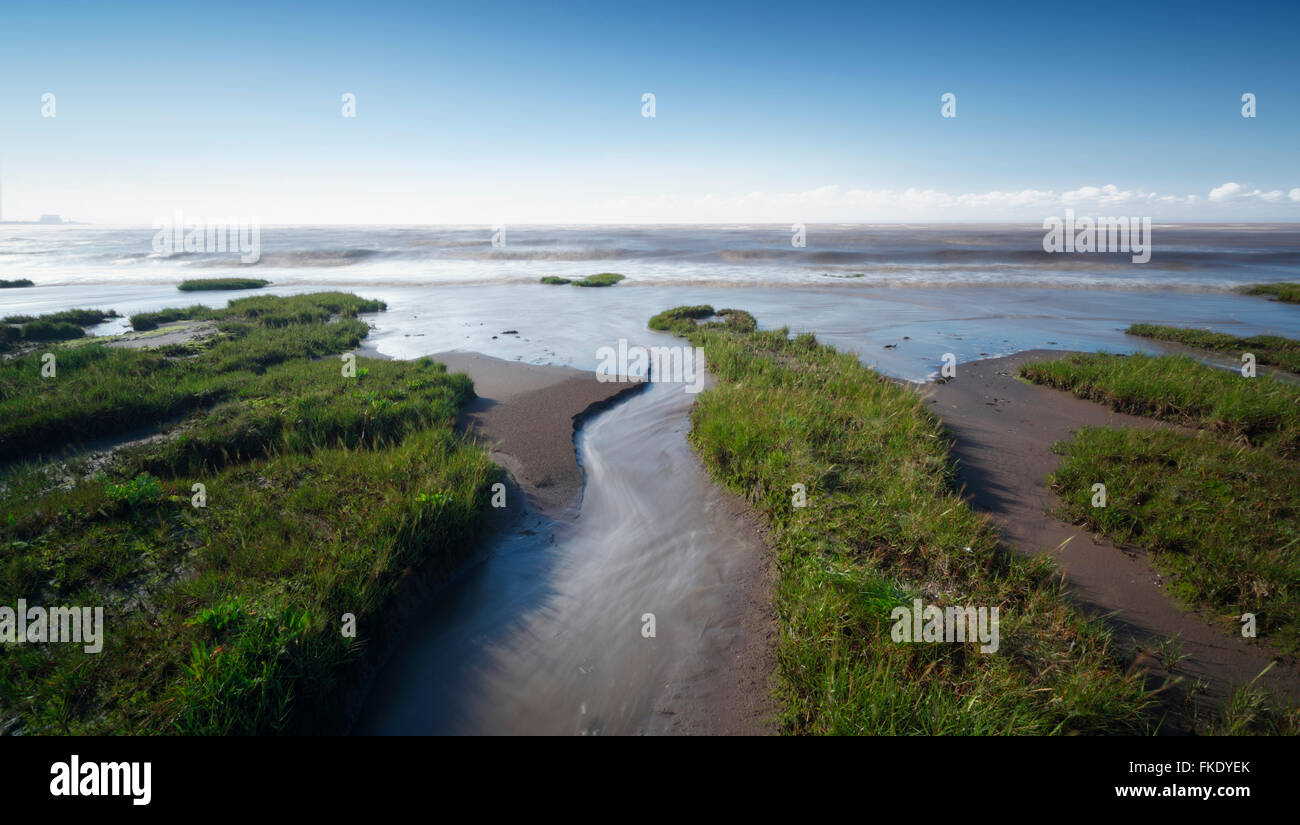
531	112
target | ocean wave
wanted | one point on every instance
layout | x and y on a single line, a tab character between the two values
508	254
1037	258
297	259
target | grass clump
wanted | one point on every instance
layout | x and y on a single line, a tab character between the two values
683	320
1251	711
80	317
319	492
143	489
55	326
883	524
1285	292
680	320
201	284
145	321
1221	520
15	284
602	279
51	331
1258	411
1273	350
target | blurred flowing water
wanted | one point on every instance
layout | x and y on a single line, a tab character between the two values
544	636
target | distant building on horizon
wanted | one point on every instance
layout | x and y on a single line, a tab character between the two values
45	219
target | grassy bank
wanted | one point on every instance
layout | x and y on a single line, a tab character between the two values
883	524
1288	293
320	490
1273	350
102	391
201	284
1256	411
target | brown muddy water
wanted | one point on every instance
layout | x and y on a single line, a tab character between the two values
545	635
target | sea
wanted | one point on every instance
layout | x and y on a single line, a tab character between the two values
901	295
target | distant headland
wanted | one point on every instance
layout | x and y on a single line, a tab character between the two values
44	219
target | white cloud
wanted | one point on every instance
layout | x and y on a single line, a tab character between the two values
1227	191
835	203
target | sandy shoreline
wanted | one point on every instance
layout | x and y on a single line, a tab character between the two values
1004	429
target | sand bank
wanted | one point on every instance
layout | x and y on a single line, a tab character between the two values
527	415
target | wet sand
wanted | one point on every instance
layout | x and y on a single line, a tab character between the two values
527	416
1004	429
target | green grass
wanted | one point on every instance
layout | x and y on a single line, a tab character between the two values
80	317
681	320
20	282
1286	292
1273	350
51	331
55	326
1258	411
1254	712
321	491
102	391
884	523
1221	520
602	279
145	321
200	284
